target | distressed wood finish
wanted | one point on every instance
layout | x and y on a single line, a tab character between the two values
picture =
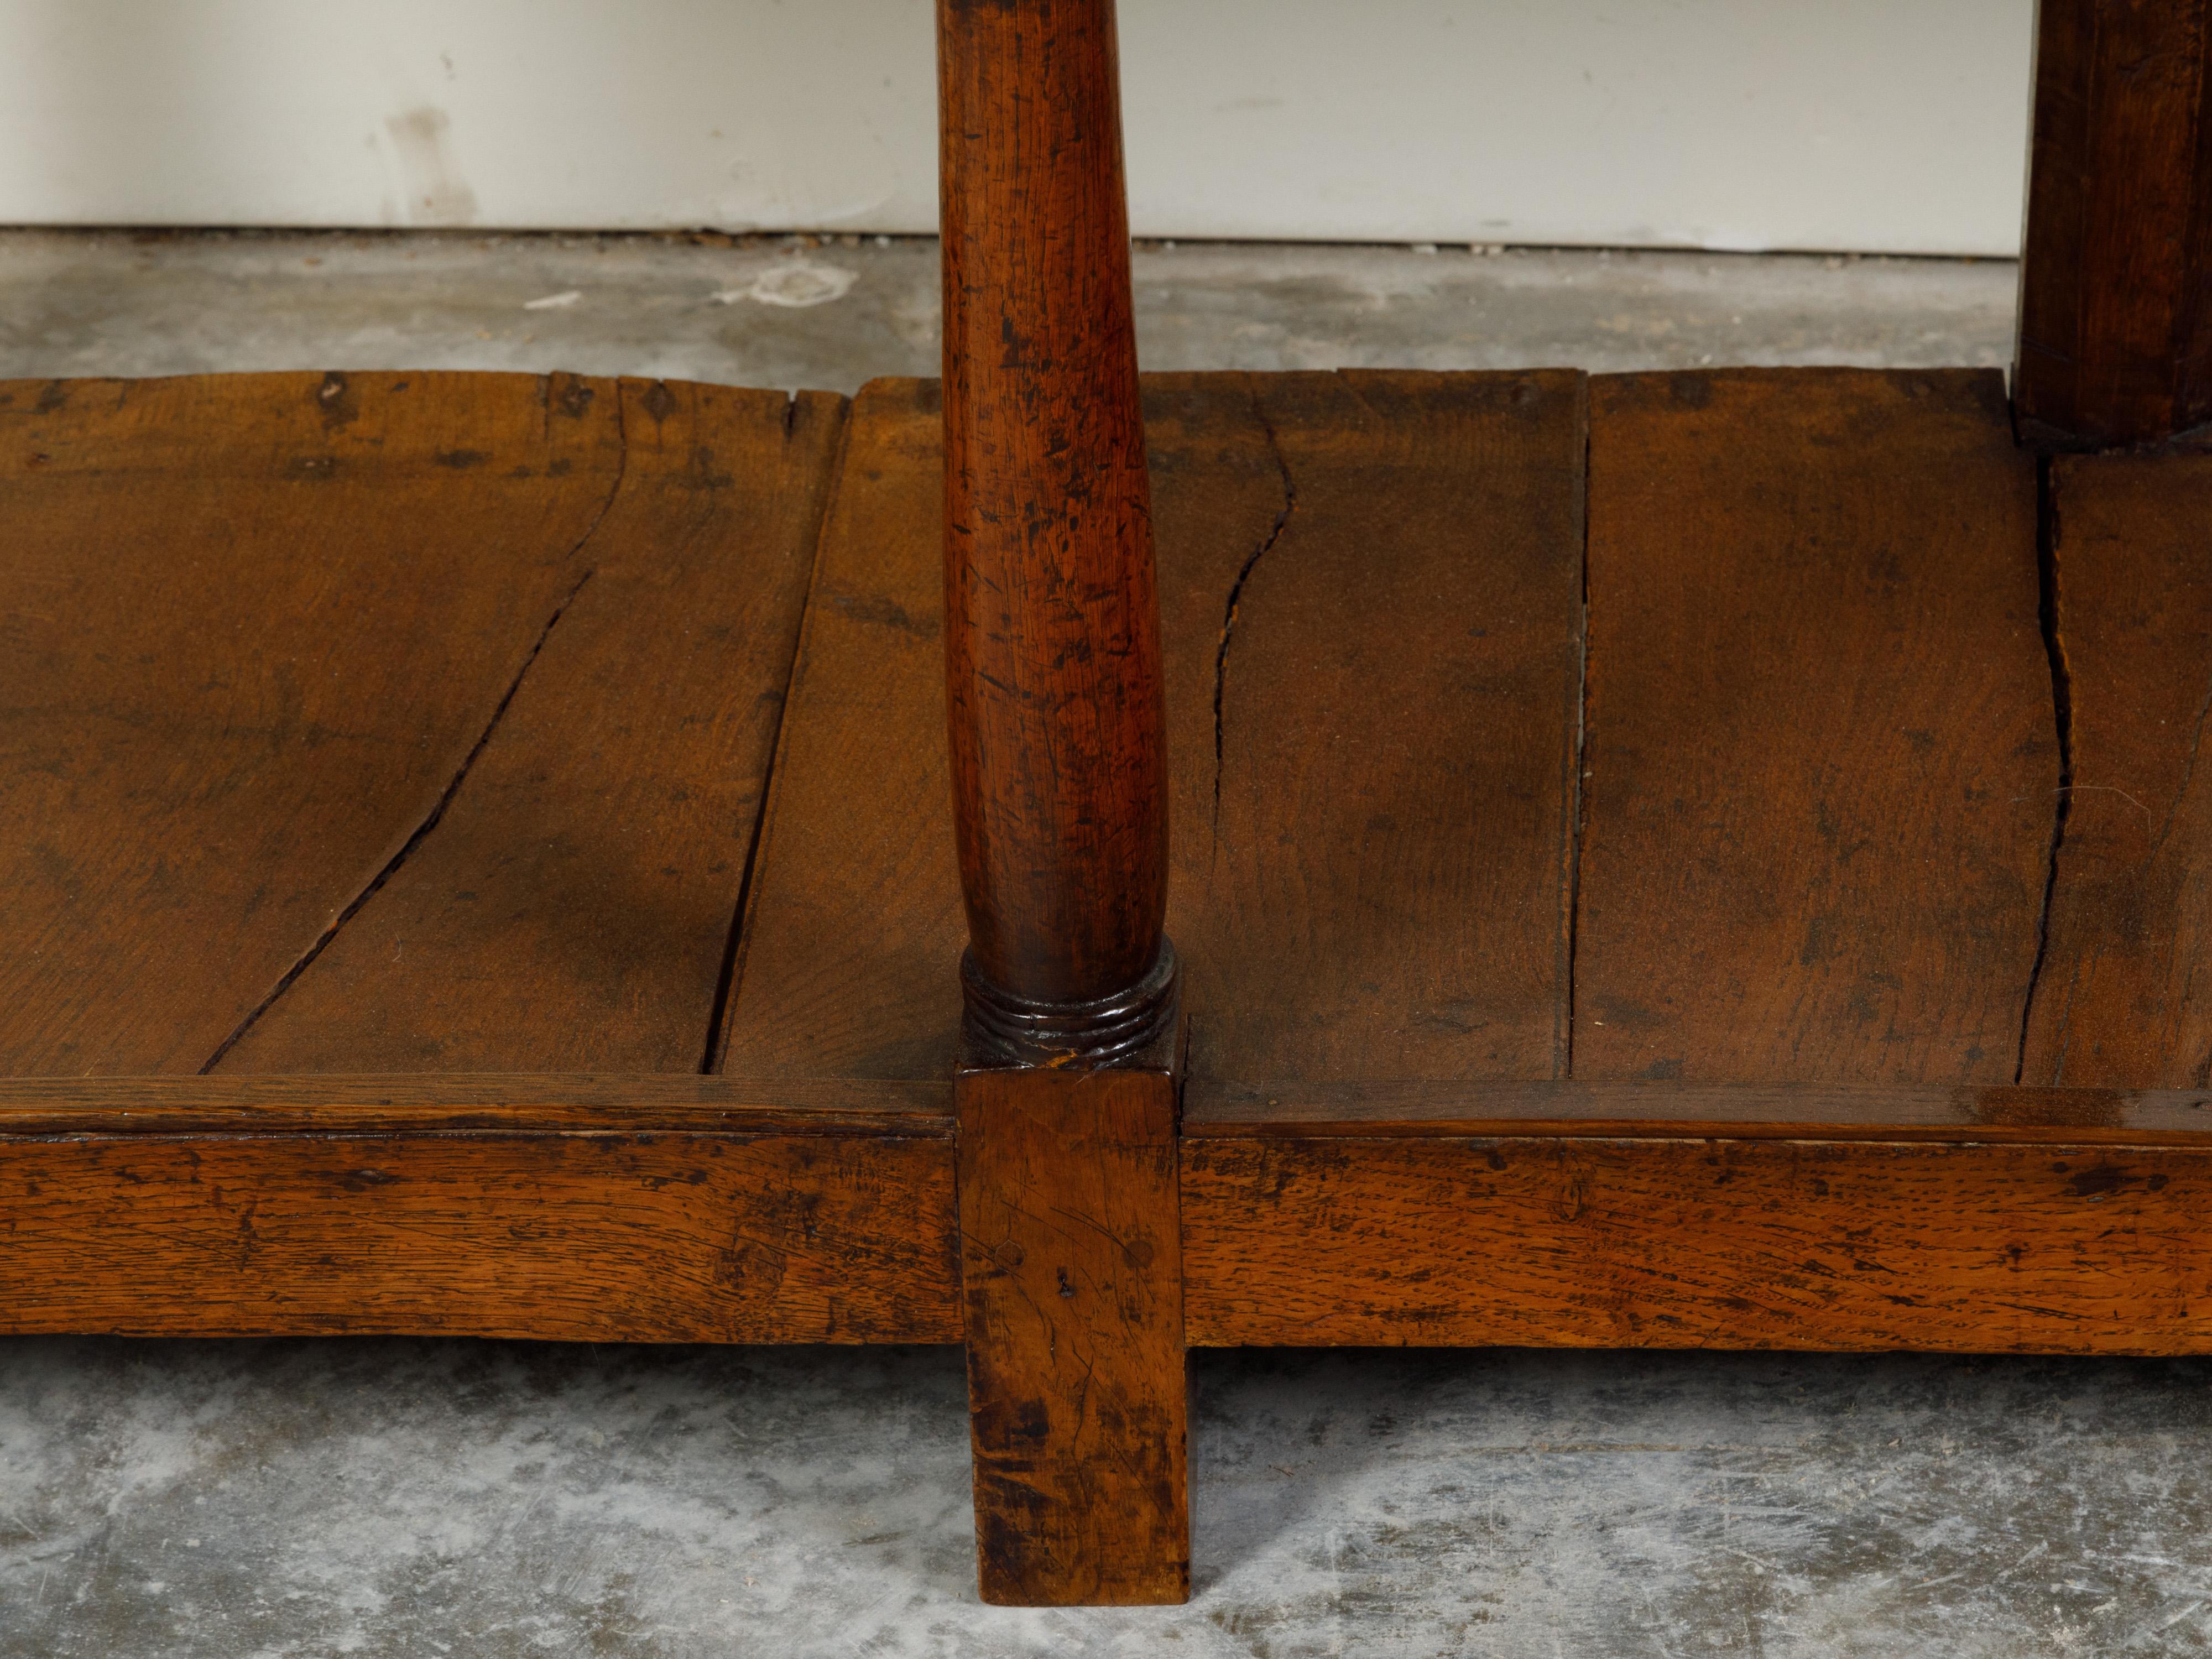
856	911
1056	724
548	1103
1261	486
253	627
1637	1213
573	908
2121	1000
846	964
1071	1260
1052	643
1822	787
551	1103
1392	835
1821	762
1765	1111
672	1236
1713	1243
2116	283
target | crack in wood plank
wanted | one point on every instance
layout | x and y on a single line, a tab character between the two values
2061	704
406	850
1237	593
430	821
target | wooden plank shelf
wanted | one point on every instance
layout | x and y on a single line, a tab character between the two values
1710	859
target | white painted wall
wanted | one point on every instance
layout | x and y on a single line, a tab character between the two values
1894	125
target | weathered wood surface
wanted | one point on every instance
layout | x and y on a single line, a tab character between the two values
549	1207
2116	285
201	775
1221	500
1052	645
251	627
1577	1109
1070	1258
1751	1243
846	968
382	722
1816	832
2123	998
1390	887
1262	487
853	927
1821	763
845	1106
572	909
549	1103
580	1237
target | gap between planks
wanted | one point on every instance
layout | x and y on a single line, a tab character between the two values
733	952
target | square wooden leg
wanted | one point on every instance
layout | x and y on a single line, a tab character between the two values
1072	1264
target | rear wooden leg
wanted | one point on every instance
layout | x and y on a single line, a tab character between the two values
2116	276
1072	1261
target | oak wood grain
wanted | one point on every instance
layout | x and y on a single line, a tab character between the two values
853	929
580	1236
1393	838
251	627
1051	645
1073	1274
336	1103
2115	328
846	964
1716	1242
856	911
1220	501
1821	761
2122	999
573	907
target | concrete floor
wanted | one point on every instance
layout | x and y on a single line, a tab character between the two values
221	1500
771	312
228	1500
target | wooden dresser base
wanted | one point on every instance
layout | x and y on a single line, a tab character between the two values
1705	859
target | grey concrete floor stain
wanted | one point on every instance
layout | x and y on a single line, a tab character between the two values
406	1496
293	1499
113	303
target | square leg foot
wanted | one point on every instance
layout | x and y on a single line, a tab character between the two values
1072	1269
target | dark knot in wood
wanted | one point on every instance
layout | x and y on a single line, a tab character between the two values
1005	1029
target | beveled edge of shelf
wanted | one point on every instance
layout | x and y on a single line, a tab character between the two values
595	1103
549	1103
1671	1110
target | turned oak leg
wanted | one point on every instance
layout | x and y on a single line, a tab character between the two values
2116	283
1052	643
1052	640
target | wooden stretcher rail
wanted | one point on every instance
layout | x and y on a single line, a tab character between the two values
620	1237
583	1209
1726	1242
684	1209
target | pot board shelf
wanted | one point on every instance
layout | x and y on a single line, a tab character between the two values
1691	859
